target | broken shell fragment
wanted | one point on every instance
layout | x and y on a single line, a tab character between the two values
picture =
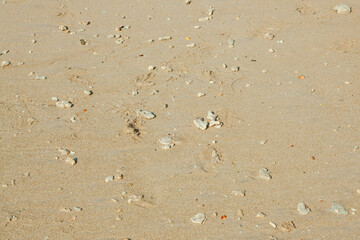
151	67
265	174
64	104
40	77
63	151
4	52
146	114
167	142
338	209
5	63
303	209
164	38
167	68
201	94
191	45
235	69
342	9
199	218
211	116
88	92
71	161
63	28
201	124
269	36
109	179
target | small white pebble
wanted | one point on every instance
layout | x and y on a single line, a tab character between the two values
151	67
271	50
191	45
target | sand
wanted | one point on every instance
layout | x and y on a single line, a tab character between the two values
288	104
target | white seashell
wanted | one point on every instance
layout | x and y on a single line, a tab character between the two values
201	94
215	124
269	36
119	41
211	11
5	63
77	209
211	116
88	92
151	67
235	69
40	77
191	45
164	38
63	151
167	68
187	2
64	104
199	218
204	19
71	161
231	42
272	224
134	93
262	142
303	209
63	28
54	99
342	9
201	124
271	50
261	214
197	27
239	193
73	119
109	179
338	209
167	142
4	52
146	114
265	174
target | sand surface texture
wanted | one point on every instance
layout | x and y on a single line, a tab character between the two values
87	89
